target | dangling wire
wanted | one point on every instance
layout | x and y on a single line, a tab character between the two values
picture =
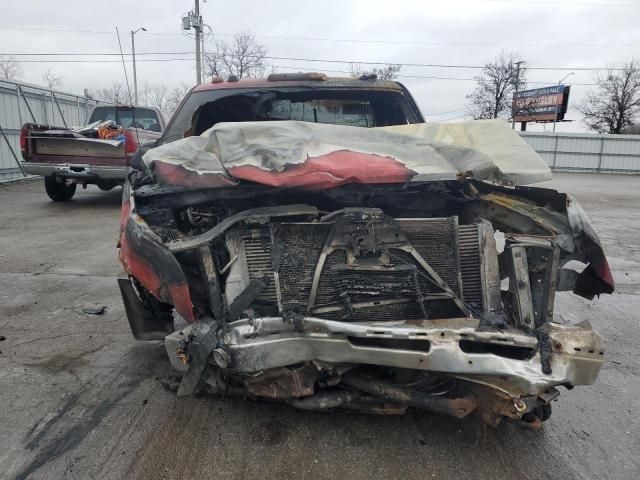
126	78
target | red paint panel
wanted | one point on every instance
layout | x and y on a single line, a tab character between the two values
328	171
139	269
125	210
603	270
181	300
177	175
177	295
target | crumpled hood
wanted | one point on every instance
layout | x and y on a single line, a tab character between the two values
311	155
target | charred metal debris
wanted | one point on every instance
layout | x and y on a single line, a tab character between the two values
437	296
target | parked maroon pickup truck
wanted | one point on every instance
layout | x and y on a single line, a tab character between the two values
97	154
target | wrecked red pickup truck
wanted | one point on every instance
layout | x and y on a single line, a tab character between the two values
283	254
97	153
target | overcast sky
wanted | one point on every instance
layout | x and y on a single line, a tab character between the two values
546	33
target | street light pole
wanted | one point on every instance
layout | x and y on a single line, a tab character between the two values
133	56
555	117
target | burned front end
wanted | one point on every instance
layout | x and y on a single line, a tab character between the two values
360	295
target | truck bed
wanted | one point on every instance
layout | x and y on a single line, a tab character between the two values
52	151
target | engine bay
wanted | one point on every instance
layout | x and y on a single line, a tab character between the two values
337	298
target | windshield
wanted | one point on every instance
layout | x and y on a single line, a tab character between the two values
128	117
353	107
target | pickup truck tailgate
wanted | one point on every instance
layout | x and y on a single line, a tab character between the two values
101	151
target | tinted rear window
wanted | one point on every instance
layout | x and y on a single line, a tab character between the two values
358	107
128	117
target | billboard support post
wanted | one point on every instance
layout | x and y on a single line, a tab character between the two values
513	121
555	119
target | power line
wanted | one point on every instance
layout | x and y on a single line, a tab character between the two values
91	54
98	32
435	42
318	60
162	60
539	2
428	77
109	61
430	65
347	40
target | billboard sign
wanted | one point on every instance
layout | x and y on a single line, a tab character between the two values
545	104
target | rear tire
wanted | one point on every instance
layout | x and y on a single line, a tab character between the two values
59	191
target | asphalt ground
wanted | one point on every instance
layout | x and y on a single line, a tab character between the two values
80	398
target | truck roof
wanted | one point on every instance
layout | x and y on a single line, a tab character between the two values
298	80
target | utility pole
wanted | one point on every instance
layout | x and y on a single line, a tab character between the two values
194	20
198	28
203	55
513	119
133	56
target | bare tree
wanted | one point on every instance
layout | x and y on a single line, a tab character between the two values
243	57
114	94
174	97
382	72
52	79
10	68
154	95
494	89
615	105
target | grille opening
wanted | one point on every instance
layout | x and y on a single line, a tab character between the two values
452	250
392	343
506	351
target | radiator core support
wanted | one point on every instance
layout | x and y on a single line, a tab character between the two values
366	265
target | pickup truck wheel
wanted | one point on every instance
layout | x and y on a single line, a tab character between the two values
58	191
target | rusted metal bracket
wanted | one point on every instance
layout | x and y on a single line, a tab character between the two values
543	267
490	271
214	292
196	350
436	278
519	285
456	407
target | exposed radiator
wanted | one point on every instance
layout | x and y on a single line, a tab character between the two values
451	250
